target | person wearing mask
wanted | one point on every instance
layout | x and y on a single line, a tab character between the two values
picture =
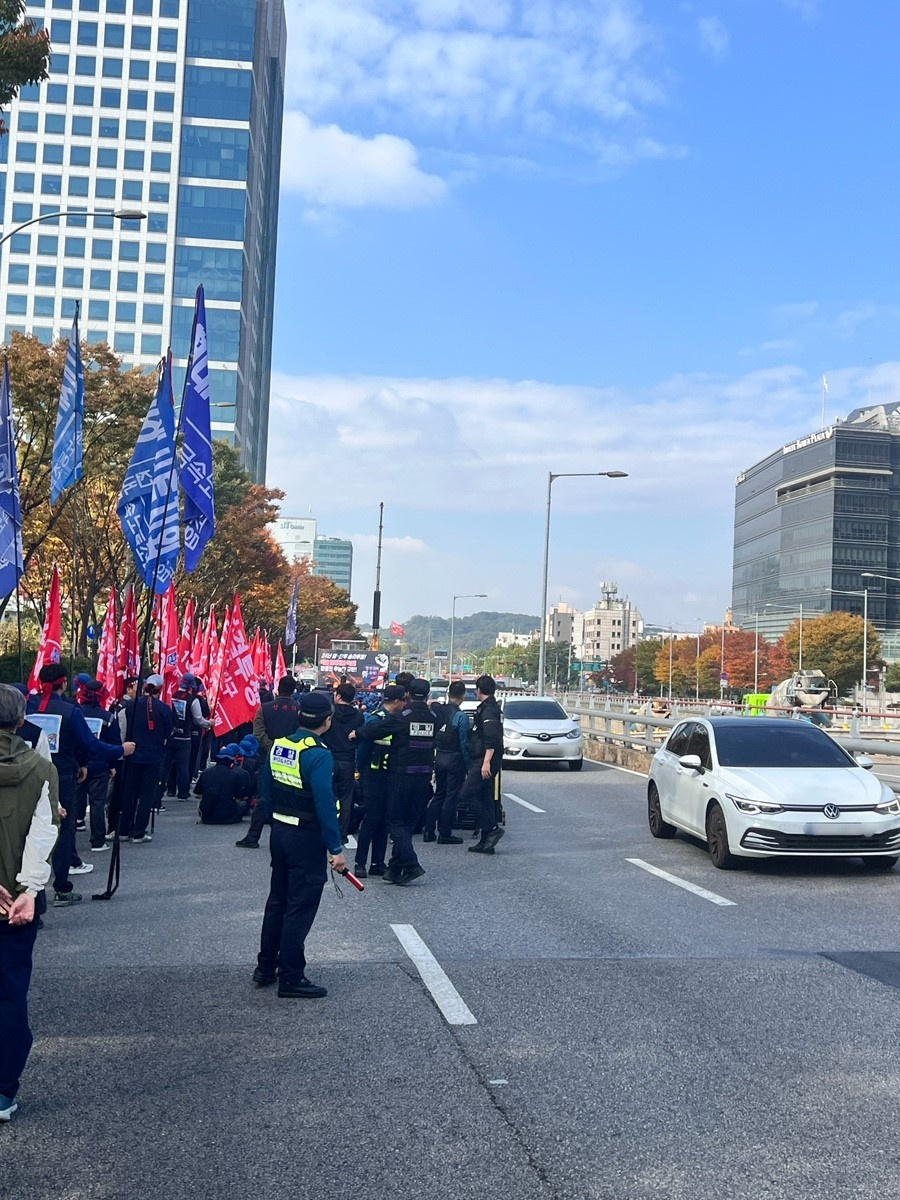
29	818
189	724
150	724
96	786
372	758
223	790
450	766
71	746
306	836
485	749
346	718
410	768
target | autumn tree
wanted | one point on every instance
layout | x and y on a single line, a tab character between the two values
833	643
24	53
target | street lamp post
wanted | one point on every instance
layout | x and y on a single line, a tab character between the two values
756	658
118	214
865	654
467	596
542	653
671	640
697	663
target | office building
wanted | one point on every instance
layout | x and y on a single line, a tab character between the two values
566	624
611	626
172	108
812	517
333	558
296	536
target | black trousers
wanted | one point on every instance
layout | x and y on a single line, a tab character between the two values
299	872
16	950
141	795
407	797
482	795
344	784
96	789
449	774
178	768
373	829
63	856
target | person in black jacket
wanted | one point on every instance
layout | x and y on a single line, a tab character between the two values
95	788
279	718
485	752
346	718
223	791
410	768
150	723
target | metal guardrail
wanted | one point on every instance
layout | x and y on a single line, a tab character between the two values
641	731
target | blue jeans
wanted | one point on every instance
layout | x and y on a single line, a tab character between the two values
16	947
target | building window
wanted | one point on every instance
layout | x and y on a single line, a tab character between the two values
154	284
209	212
73	277
107	158
153	313
59	64
56	93
151	343
78	185
218	92
143	8
132	189
23	181
45	276
168	8
85	64
43	306
128	281
167	41
100	281
158	222
159	194
129	251
221	270
74	247
135	131
137	100
98	310
162	131
164	102
220	29
124	343
160	160
17	304
18	273
26	152
81	126
79	156
140	37
134	160
84	96
102	248
126	311
139	69
165	72
112	68
28	123
87	33
60	31
105	189
114	36
214	153
110	98
109	126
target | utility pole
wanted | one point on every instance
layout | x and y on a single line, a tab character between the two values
376	600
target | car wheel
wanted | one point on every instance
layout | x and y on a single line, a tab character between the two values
881	864
659	828
575	764
717	839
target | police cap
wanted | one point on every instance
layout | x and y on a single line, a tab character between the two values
419	688
392	692
315	704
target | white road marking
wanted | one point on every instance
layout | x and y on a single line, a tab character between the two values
444	994
351	842
682	883
524	803
624	770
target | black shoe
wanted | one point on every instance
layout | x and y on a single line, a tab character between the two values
360	872
377	869
450	840
263	978
476	833
428	836
408	874
391	876
303	990
246	844
79	826
491	839
481	848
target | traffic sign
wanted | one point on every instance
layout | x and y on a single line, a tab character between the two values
723	678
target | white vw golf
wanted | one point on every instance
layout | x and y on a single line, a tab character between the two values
760	786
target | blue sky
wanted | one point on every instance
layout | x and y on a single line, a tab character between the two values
519	236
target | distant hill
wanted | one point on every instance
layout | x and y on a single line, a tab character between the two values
476	632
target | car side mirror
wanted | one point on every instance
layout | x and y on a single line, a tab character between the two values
691	762
577	717
865	762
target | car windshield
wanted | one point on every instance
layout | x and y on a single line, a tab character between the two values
534	710
785	744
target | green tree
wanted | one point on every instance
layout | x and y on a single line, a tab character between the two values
24	53
833	643
645	655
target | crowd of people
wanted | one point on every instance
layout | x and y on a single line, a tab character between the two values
317	766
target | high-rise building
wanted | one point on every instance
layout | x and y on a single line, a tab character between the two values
296	536
611	626
333	558
812	518
566	624
172	108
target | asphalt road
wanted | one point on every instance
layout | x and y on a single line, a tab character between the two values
629	1038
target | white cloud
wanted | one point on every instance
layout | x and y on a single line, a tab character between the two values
806	8
330	167
713	36
849	321
796	312
396	545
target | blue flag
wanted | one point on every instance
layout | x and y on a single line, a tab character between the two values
10	509
290	627
67	466
196	450
148	504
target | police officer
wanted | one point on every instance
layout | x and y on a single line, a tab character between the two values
345	719
372	760
189	721
485	746
95	787
450	766
277	719
305	837
410	769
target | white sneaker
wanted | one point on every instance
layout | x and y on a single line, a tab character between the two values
137	841
7	1108
84	869
99	849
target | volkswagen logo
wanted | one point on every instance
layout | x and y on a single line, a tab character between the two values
543	737
831	811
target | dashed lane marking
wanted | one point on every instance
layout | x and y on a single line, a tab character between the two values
712	897
446	997
524	803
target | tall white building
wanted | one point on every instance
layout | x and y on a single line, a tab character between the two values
296	536
611	626
171	108
566	624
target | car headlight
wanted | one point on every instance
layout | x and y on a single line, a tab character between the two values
573	734
742	804
889	807
512	734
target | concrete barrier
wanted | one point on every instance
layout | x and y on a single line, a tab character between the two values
617	755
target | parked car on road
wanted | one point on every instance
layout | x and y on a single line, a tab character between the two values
756	787
536	728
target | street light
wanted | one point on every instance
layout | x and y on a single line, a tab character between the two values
865	663
467	596
542	654
700	624
121	214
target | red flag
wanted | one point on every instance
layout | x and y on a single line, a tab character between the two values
397	630
216	661
238	695
280	668
254	653
267	659
50	646
128	655
201	659
169	670
186	641
106	663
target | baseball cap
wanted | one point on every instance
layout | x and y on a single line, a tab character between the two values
315	704
392	692
249	745
155	681
419	688
225	752
234	749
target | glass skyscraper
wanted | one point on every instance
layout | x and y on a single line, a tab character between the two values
812	518
334	559
173	108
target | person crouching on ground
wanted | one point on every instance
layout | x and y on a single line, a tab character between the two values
223	791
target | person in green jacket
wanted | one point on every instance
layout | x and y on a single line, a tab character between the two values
29	820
